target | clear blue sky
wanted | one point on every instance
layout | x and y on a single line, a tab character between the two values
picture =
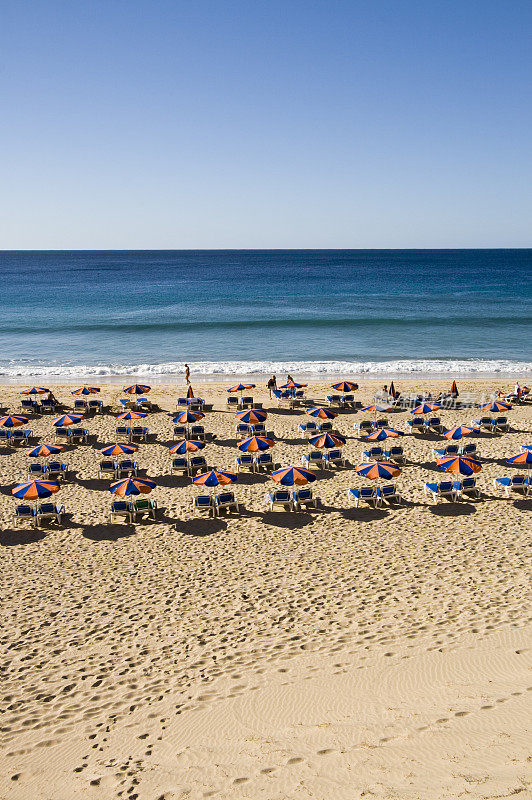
337	123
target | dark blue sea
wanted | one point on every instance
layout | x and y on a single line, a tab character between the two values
330	312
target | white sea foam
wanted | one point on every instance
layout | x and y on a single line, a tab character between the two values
206	369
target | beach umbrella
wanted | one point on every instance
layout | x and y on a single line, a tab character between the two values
321	413
34	490
252	416
190	392
137	388
186	446
255	443
45	450
118	450
324	441
67	419
241	387
127	486
131	415
215	478
378	469
345	386
288	476
292	385
13	421
86	390
392	390
459	432
454	390
383	433
376	408
462	465
496	406
521	459
425	408
187	417
35	390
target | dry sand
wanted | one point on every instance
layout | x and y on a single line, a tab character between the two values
334	654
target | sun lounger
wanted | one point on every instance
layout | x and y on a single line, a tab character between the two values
265	462
366	494
107	468
334	399
79	435
198	464
48	407
245	461
127	467
325	427
123	432
198	432
139	433
448	450
281	497
417	425
374	454
500	424
258	429
62	434
313	459
347	401
19	437
36	471
334	458
245	402
441	490
28	406
307	428
144	506
226	501
389	494
24	513
517	483
49	511
5	435
364	426
395	454
483	422
80	406
205	503
469	449
56	471
435	424
381	423
305	497
232	400
120	508
467	487
241	429
180	464
180	432
95	406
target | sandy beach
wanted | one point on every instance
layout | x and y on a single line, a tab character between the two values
340	653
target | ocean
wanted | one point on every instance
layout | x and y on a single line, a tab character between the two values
310	312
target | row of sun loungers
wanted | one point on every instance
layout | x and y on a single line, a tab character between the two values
318	460
71	435
258	462
131	511
15	437
52	471
118	469
469	449
37	514
492	424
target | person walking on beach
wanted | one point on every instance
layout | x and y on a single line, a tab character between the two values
187	373
272	385
289	379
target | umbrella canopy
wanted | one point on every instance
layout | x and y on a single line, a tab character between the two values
327	440
321	413
496	406
137	388
45	450
255	443
215	478
383	433
241	387
67	419
425	408
376	408
459	465
521	458
459	432
131	415
292	385
190	392
252	416
392	390
186	417
128	486
118	450
454	390
86	390
378	469
288	476
13	421
186	446
33	490
345	386
35	390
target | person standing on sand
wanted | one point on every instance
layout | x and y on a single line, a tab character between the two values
187	374
289	379
272	385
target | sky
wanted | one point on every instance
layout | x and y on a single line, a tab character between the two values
231	124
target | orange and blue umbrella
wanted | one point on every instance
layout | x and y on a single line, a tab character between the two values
292	385
67	419
13	421
321	413
454	390
118	450
383	433
190	392
290	476
186	446
127	486
459	432
252	416
45	450
378	469
375	408
241	387
131	415
255	443
86	390
186	417
33	490
324	441
521	458
35	390
137	388
496	406
425	408
215	478
459	465
345	386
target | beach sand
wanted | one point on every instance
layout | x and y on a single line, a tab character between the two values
343	653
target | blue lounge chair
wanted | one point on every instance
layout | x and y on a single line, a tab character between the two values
107	468
483	422
245	461
139	433
417	425
381	423
395	454
198	464
123	432
142	506
264	461
500	424
56	471
281	497
79	435
517	483
347	400
49	512
226	501
232	400
24	513
366	494
364	426
80	406
435	424
307	428
198	432
5	435
180	464
448	450
241	429
36	471
443	489
469	449
334	458
28	406
120	508
305	497
325	427
313	459
180	432
334	399
374	454
95	406
467	487
389	494
19	437
127	467
205	503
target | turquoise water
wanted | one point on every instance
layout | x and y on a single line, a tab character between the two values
360	311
